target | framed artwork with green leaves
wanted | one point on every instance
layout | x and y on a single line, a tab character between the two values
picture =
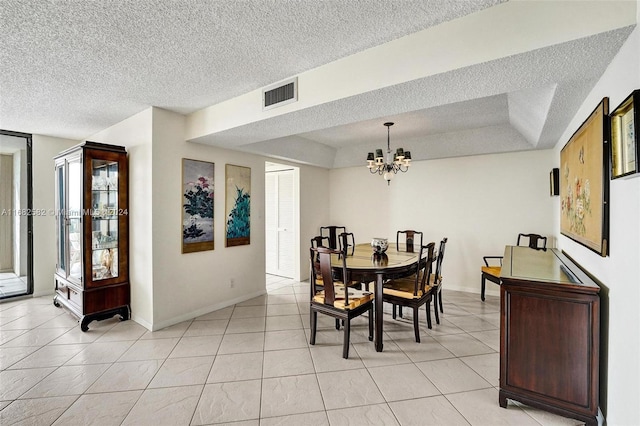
238	205
197	205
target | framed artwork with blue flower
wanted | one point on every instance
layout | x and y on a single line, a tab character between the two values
197	205
238	205
584	182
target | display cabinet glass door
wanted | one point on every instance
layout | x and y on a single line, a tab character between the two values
74	219
61	220
69	218
104	219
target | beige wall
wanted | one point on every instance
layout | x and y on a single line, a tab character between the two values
480	203
187	285
315	187
6	220
135	134
44	226
167	286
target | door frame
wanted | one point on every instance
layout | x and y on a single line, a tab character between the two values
296	212
29	145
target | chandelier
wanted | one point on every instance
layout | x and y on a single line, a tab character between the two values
400	161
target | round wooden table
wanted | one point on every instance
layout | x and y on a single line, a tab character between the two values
364	266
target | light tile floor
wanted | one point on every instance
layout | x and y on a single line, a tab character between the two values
12	285
251	364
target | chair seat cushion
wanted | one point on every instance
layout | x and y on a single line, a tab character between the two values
492	270
432	280
404	287
320	282
356	298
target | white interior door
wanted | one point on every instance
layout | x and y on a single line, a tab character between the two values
279	223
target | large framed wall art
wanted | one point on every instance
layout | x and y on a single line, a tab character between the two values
197	205
238	205
625	127
584	185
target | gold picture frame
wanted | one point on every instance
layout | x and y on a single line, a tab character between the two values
625	155
584	182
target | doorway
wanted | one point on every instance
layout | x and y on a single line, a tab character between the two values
16	219
282	220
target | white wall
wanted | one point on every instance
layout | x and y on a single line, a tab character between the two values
44	226
620	272
480	203
315	187
188	285
135	134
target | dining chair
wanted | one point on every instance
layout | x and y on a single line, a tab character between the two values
337	299
332	232
409	239
436	281
491	271
415	290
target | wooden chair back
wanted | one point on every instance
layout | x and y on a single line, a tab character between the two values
534	241
324	256
319	241
347	243
424	268
410	239
440	257
332	232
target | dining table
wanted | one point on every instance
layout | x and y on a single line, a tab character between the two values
365	266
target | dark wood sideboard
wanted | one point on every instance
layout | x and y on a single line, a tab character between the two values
549	334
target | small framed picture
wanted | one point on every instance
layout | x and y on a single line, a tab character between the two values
554	182
624	137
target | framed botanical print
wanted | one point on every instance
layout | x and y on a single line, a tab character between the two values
238	205
584	182
197	205
625	155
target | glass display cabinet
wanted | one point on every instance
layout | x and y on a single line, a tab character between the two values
92	224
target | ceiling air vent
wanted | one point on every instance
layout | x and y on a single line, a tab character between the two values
280	94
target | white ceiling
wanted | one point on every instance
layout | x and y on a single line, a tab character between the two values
72	68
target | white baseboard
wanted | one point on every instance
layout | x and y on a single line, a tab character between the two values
202	311
491	289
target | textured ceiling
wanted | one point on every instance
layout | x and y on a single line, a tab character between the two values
72	68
